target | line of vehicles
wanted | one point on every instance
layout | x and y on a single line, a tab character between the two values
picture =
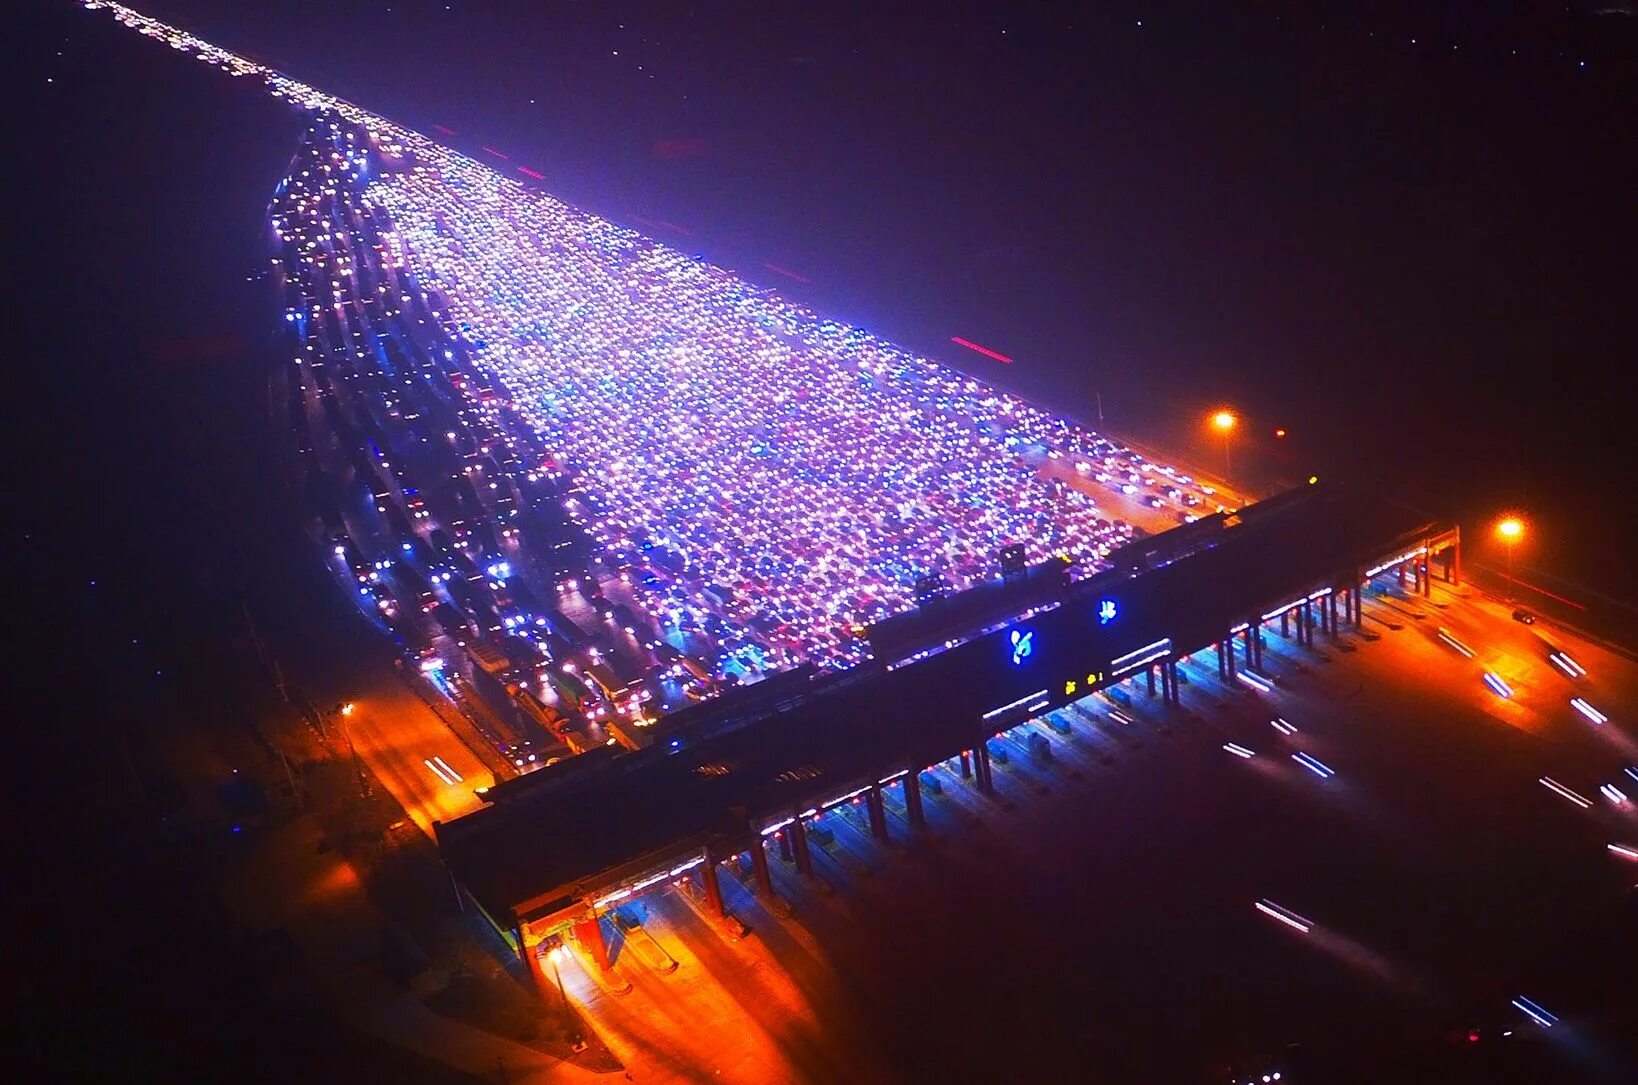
463	532
455	527
1123	471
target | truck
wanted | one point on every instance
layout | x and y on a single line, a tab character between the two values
575	693
537	710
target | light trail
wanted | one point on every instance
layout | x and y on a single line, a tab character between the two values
1238	750
1497	686
1559	789
1570	667
986	351
1255	681
1534	1011
1588	711
1313	765
1282	727
1450	638
1284	915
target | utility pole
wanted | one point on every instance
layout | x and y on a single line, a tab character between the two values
295	788
551	955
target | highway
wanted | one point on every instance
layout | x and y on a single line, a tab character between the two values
1354	802
413	754
1121	874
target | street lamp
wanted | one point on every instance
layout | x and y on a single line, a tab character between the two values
344	710
1224	422
1510	529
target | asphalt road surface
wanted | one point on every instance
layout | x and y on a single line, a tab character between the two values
1098	920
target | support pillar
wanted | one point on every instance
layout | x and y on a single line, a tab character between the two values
713	887
589	933
912	800
1285	624
1149	674
966	764
1425	564
1399	574
1246	636
1257	645
1455	567
760	874
878	816
1331	613
785	845
1359	605
1222	667
1228	656
981	761
799	848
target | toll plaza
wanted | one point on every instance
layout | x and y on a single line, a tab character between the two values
551	852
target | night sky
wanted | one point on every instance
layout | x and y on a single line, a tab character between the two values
1408	236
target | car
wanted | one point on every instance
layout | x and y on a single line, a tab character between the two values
1525	616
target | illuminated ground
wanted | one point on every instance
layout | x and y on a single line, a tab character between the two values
1100	920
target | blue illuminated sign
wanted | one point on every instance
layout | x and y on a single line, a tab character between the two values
1106	611
1022	645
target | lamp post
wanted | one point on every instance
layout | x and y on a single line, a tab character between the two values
1510	530
343	710
552	955
1224	422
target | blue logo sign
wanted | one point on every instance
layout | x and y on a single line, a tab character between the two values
1106	611
1022	645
